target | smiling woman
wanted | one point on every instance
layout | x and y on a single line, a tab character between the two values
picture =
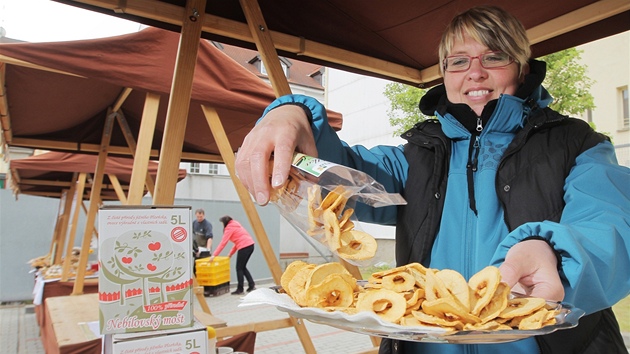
49	21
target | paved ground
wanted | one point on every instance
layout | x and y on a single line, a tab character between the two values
19	333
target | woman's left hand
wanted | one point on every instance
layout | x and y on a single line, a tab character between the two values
530	267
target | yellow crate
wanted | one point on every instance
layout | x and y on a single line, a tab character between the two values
213	273
218	264
207	280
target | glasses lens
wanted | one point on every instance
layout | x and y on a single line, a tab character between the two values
458	63
495	60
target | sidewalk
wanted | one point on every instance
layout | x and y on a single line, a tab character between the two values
19	333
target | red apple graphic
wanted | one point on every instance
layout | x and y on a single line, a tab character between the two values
151	267
127	260
154	246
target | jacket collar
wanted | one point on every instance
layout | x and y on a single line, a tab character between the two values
530	95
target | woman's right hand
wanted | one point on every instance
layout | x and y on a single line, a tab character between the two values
284	130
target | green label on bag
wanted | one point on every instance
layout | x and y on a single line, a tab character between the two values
311	165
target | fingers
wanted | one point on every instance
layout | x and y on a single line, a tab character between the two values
283	130
251	166
510	274
530	267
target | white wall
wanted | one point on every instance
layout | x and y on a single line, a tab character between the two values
364	107
608	62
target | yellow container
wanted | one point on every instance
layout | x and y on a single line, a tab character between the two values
213	273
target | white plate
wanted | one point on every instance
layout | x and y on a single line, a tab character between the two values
370	324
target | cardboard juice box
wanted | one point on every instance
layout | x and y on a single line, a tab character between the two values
191	340
145	268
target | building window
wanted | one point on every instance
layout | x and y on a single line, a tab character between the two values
263	70
195	167
625	108
319	76
213	169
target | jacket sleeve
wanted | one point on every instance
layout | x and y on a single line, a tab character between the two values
386	164
227	233
593	235
232	251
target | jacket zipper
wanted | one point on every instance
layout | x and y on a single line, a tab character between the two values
471	166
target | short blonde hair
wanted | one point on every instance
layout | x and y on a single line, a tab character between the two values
491	26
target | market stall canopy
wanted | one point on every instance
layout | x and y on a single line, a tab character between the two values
394	39
58	94
50	173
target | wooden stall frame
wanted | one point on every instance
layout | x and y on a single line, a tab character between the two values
171	153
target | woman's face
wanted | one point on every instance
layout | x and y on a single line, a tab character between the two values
478	85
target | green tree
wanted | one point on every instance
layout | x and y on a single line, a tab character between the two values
566	81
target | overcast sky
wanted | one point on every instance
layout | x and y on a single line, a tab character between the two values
46	20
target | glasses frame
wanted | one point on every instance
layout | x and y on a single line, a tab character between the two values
479	57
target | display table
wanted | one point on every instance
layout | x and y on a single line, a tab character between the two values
65	328
208	320
52	288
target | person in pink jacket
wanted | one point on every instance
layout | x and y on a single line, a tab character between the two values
244	244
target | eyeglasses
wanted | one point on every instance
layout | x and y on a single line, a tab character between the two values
491	60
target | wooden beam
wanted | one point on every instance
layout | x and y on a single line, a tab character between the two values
253	327
117	188
95	193
254	219
54	242
121	99
179	103
168	13
68	196
78	200
579	18
172	14
140	175
266	49
18	62
43	182
94	148
5	119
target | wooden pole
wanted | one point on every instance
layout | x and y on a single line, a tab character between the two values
142	153
264	43
179	103
78	199
95	200
68	195
117	188
254	219
280	84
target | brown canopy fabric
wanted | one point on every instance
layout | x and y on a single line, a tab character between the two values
50	173
400	32
55	111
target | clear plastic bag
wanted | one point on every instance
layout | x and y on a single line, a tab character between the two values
319	200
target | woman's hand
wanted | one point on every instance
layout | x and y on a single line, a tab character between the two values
282	131
530	267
